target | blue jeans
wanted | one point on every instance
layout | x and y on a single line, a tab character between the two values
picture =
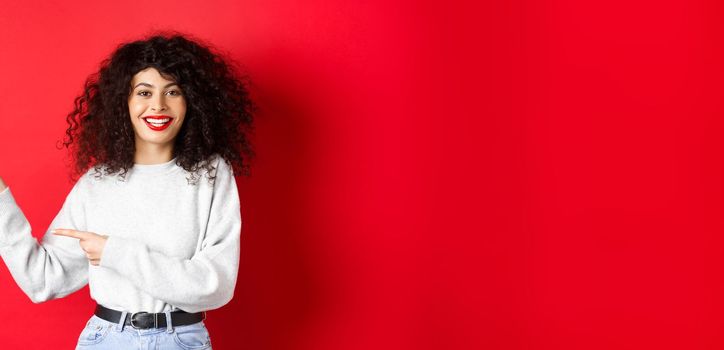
100	334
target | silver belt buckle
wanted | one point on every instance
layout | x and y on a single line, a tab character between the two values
155	319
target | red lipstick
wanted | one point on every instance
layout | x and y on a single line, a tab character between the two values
157	122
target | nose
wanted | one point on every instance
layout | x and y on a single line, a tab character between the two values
158	104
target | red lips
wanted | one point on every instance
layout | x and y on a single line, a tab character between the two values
158	117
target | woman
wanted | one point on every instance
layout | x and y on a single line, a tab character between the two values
153	222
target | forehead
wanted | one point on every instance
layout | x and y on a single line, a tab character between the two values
151	75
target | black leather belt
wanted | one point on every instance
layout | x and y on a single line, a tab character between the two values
145	320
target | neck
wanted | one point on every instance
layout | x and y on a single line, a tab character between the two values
152	154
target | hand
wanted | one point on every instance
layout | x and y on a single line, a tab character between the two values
91	243
2	184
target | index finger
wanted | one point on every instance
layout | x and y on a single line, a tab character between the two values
68	233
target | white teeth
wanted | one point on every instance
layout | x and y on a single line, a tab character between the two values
162	121
157	122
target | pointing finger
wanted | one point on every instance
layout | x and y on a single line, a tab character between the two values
68	233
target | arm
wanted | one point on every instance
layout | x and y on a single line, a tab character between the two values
204	282
50	270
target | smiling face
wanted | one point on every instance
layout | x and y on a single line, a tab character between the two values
157	108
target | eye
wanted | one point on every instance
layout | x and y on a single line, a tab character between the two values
174	93
144	93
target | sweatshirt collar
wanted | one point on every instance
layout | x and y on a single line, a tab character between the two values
154	168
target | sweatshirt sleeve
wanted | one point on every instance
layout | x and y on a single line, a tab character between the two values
207	280
51	269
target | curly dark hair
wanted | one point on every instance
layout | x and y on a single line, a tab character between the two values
218	118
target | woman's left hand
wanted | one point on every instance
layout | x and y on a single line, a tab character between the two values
91	243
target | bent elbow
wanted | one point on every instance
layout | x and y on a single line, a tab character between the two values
39	297
212	301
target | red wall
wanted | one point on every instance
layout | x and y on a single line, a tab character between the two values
507	175
332	216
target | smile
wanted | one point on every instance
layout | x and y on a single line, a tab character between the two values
157	122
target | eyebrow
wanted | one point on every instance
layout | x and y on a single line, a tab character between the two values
151	85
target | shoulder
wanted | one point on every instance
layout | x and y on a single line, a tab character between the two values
80	189
94	183
222	164
219	166
212	168
83	182
223	173
93	177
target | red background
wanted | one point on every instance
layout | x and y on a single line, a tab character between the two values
333	224
509	175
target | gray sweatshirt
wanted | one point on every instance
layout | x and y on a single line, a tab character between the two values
171	245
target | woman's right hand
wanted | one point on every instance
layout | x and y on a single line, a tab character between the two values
2	184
